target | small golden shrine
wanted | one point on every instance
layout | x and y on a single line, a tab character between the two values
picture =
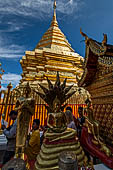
98	80
53	53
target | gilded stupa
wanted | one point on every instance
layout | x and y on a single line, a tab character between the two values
53	53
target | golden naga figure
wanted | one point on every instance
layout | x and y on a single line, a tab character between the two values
55	96
26	108
58	137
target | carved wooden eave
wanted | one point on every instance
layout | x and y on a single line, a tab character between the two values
90	67
98	81
95	52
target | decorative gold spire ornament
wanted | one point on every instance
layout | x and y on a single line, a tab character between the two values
54	21
54	7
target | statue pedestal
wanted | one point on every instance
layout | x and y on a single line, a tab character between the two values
3	146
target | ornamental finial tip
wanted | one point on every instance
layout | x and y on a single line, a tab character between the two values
54	4
54	21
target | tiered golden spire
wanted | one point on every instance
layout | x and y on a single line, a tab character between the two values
52	53
53	37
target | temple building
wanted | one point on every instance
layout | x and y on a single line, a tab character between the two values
98	80
52	53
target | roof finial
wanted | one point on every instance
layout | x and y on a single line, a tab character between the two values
105	39
54	21
54	6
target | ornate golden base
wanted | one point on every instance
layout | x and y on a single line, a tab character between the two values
48	157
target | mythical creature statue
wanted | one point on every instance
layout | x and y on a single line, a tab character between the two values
55	96
26	108
57	137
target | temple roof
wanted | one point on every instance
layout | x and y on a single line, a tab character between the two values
97	53
54	38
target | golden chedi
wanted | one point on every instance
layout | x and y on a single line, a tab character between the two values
53	53
58	137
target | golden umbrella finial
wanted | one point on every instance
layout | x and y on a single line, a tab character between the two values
54	21
54	4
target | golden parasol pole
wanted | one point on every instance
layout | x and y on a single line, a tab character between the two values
8	93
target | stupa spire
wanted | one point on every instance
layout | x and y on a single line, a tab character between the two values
54	21
53	37
54	6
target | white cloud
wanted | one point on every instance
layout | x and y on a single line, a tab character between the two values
10	77
9	50
37	8
11	56
12	10
10	27
69	7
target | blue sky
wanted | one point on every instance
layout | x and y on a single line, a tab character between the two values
23	22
